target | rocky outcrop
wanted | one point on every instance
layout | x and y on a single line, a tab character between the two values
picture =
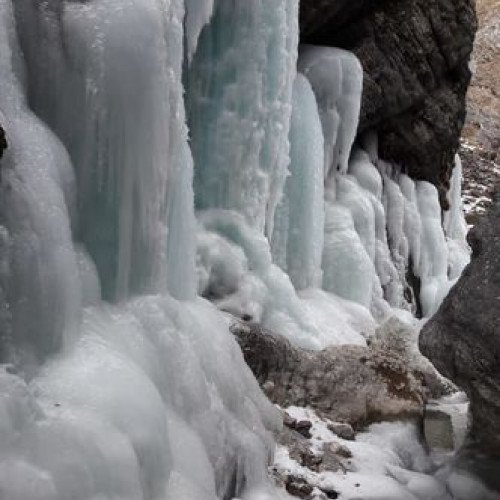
349	383
415	57
463	338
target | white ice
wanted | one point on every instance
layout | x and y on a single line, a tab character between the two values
106	76
336	77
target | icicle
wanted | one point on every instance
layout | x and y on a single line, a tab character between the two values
433	267
455	226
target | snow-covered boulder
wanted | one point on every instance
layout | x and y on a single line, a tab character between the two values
346	383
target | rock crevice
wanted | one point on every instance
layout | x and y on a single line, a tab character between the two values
463	338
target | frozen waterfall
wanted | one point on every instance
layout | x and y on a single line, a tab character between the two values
167	170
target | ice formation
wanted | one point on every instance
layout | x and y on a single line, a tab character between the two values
297	238
337	79
119	380
239	92
150	397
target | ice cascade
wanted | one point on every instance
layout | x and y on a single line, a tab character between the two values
168	170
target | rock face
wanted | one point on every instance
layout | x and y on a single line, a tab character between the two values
354	384
415	57
463	338
482	128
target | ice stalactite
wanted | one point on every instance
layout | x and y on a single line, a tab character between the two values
455	226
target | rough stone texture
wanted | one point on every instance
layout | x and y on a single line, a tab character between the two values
415	57
482	129
399	338
463	338
480	150
438	430
354	384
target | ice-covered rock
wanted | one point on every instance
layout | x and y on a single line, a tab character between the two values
401	338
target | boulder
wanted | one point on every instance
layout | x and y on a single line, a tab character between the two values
354	384
415	56
463	338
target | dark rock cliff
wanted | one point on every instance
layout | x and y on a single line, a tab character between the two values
415	56
463	338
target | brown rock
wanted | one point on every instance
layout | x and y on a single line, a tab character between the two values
342	430
353	384
298	487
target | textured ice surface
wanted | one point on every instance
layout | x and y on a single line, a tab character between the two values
151	398
239	101
336	77
106	76
198	14
236	270
142	405
146	396
37	192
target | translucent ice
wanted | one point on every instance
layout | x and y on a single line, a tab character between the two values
239	101
299	228
336	77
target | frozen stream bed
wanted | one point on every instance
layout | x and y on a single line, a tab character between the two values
387	461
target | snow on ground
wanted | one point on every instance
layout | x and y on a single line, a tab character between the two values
386	462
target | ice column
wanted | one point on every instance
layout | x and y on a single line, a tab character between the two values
433	268
39	266
239	102
106	75
300	215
